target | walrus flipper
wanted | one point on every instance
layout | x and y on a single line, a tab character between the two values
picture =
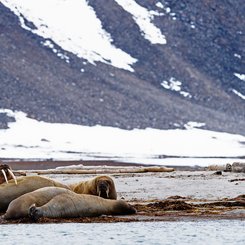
34	213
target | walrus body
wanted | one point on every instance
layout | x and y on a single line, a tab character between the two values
102	186
19	207
10	191
73	205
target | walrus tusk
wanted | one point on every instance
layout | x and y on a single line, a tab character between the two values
93	187
107	193
4	175
12	174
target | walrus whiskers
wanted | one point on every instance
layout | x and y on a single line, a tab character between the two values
4	175
98	186
12	174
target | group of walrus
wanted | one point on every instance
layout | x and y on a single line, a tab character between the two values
36	197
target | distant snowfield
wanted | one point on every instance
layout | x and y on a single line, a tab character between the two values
31	139
74	26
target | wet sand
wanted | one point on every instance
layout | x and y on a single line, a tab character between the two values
163	196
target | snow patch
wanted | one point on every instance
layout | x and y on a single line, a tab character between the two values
175	85
159	5
237	56
192	125
240	76
72	25
167	10
143	18
192	25
49	44
239	94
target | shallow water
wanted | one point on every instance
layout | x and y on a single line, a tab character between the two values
201	232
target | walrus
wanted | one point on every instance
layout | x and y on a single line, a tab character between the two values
19	207
237	167
102	186
73	205
6	174
10	191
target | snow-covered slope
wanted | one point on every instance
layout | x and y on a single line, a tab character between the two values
74	26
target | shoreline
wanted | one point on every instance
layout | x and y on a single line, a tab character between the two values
181	195
51	164
174	211
18	164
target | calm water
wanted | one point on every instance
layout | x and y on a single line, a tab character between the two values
204	232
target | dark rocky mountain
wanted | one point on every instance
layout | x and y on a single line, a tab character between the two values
205	48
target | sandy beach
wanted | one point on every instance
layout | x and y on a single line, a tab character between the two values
159	196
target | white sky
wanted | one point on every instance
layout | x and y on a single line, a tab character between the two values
30	139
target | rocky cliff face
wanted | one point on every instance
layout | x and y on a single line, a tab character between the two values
197	75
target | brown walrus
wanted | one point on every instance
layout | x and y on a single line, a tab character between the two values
10	191
102	186
6	174
73	205
19	207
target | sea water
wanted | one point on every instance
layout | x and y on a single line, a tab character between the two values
183	232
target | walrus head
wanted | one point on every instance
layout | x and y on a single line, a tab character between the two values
228	167
6	174
103	186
